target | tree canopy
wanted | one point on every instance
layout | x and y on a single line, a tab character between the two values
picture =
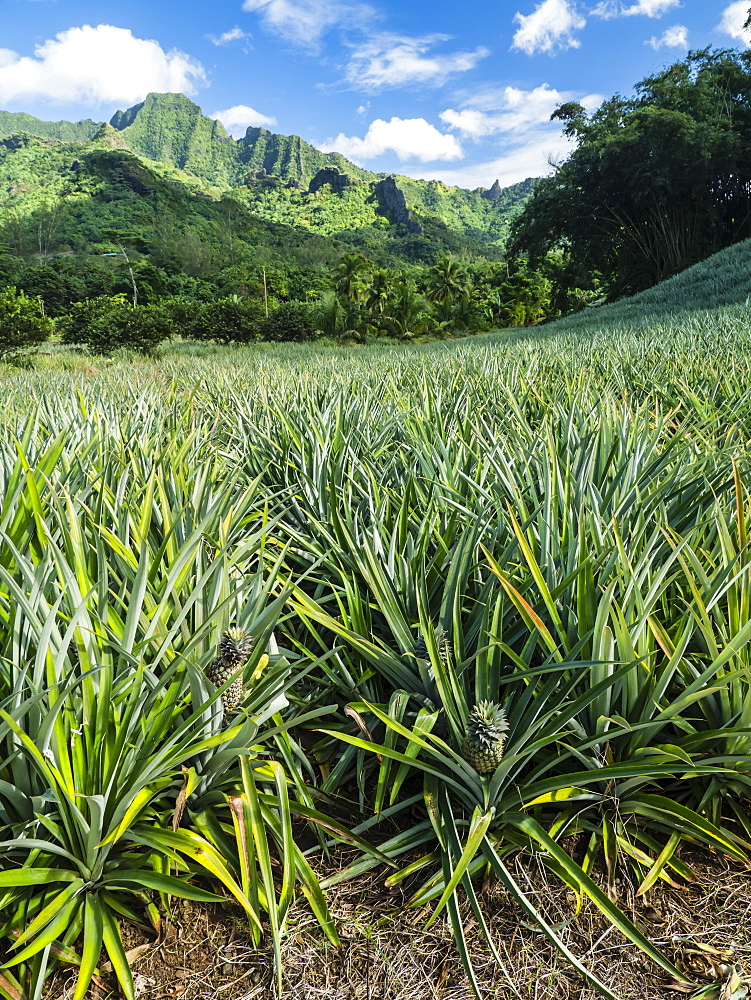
657	181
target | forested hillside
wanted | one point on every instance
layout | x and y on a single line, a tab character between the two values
11	123
278	178
162	202
162	198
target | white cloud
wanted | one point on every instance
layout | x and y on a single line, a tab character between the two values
549	27
650	8
97	65
233	35
521	118
732	21
515	111
523	162
239	119
469	122
409	138
672	38
387	60
305	21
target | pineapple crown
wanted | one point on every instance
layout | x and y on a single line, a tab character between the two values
236	644
487	723
421	647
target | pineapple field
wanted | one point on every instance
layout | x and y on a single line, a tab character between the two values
336	643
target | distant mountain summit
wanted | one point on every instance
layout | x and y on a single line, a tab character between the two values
171	129
13	122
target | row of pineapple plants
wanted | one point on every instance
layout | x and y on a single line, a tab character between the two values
513	602
142	692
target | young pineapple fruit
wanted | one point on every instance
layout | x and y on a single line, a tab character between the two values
482	747
442	642
235	647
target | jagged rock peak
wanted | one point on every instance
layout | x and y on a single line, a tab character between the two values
493	193
329	175
393	201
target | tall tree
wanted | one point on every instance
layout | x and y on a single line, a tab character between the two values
656	182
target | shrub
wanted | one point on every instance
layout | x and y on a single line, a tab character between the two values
290	321
23	324
228	320
107	323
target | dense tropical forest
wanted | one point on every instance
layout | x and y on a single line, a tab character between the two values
161	209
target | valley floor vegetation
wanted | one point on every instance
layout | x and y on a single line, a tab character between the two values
529	548
358	302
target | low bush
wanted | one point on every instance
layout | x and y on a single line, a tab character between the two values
107	323
23	324
290	321
226	321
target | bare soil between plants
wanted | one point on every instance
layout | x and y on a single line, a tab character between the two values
205	953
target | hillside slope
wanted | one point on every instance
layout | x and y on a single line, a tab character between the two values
66	205
721	280
724	279
713	295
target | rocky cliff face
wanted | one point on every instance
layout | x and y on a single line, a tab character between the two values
394	204
329	175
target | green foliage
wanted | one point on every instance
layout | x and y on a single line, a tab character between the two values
11	123
657	182
290	321
23	324
170	128
107	323
121	561
57	286
227	320
200	206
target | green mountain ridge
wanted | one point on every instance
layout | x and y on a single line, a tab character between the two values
13	122
172	130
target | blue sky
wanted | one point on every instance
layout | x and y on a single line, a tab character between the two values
427	88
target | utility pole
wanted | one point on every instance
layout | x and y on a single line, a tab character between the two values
265	294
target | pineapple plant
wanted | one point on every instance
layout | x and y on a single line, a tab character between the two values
482	746
235	648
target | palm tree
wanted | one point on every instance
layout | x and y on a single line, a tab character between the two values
448	277
377	294
350	281
449	288
330	315
349	276
408	312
